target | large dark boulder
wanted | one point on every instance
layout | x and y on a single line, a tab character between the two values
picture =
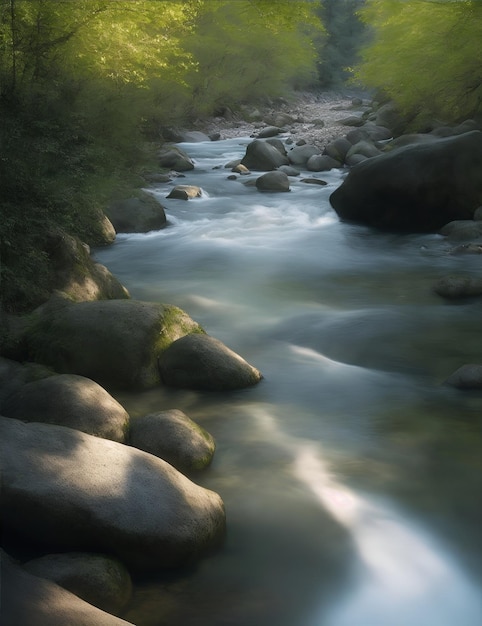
137	214
71	491
262	155
417	188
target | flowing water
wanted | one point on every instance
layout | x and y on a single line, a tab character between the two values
350	474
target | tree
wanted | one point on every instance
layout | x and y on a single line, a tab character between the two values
425	55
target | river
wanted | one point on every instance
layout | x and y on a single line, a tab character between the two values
351	475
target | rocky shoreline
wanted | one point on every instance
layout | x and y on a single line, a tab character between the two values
80	477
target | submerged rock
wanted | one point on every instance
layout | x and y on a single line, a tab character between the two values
72	491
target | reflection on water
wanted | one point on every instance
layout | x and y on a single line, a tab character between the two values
351	477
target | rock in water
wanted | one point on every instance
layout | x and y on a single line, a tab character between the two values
418	188
202	362
72	491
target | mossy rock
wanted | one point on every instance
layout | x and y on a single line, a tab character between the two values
117	343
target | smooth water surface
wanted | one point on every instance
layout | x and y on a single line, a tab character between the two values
351	475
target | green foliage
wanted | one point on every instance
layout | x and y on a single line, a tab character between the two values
344	36
425	55
84	84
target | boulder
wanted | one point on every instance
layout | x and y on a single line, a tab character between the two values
193	136
28	600
174	437
262	155
299	155
417	188
352	120
269	131
185	192
273	181
74	272
289	170
137	215
202	362
172	157
98	579
455	287
321	163
460	230
390	117
468	376
69	400
365	147
337	149
117	343
75	492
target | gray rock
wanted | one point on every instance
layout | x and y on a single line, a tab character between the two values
365	148
69	400
468	376
202	362
28	600
137	215
417	188
290	171
390	117
98	579
174	437
352	120
174	158
273	181
193	136
262	155
460	230
185	192
269	131
299	155
115	342
337	149
454	287
321	163
76	492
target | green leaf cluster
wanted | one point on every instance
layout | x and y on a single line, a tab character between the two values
425	55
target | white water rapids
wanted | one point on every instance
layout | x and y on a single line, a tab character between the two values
350	474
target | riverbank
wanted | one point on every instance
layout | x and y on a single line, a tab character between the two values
315	116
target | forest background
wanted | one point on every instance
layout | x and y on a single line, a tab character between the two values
87	86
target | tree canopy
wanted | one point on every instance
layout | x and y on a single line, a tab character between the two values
425	55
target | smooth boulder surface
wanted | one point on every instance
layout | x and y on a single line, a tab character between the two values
273	181
468	376
454	287
174	437
75	492
98	579
27	600
69	400
174	158
418	188
202	362
262	155
115	342
185	192
137	215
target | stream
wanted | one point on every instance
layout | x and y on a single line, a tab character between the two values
351	475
